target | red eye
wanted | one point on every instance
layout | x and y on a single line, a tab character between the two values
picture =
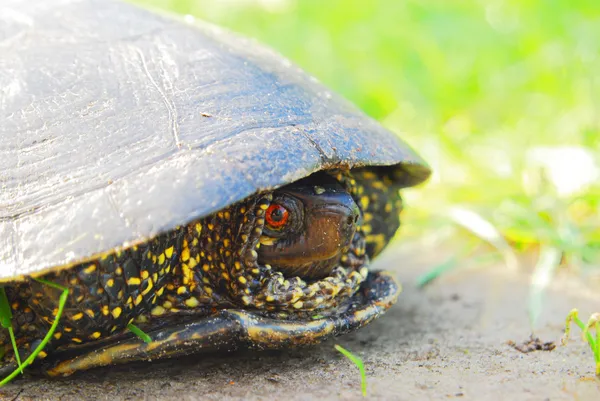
277	216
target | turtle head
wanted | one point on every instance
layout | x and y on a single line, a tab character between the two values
309	226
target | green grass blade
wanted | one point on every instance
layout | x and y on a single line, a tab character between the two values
61	305
359	364
592	324
51	284
6	321
446	266
435	272
573	316
139	332
597	351
542	275
5	311
484	230
13	341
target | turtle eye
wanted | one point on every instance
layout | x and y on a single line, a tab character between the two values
277	216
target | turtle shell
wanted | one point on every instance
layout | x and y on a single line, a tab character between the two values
118	124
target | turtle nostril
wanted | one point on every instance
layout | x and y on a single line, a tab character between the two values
356	219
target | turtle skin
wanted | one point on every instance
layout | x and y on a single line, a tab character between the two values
200	287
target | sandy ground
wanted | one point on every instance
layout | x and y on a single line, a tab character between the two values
447	341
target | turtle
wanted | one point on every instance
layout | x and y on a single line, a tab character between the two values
166	177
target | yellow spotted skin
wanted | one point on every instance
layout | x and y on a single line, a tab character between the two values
377	191
198	269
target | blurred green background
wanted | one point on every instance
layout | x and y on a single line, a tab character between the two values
501	97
